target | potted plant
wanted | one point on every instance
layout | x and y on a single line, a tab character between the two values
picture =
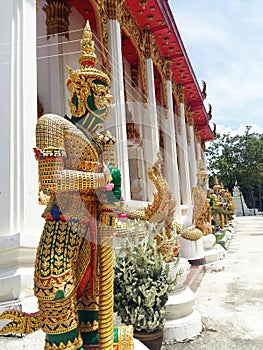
141	282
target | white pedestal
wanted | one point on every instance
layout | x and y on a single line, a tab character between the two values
211	255
192	250
209	241
182	328
182	321
17	256
183	268
180	304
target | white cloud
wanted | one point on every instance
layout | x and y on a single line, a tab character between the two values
221	129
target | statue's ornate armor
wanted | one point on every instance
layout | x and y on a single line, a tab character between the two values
70	171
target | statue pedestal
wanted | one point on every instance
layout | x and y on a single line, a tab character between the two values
193	251
210	252
211	255
182	321
17	256
183	328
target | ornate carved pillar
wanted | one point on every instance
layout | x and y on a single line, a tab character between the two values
150	121
117	122
170	154
171	171
20	222
57	12
191	148
185	187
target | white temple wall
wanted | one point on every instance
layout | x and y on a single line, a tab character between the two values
20	221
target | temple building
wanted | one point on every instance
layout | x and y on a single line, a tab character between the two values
158	105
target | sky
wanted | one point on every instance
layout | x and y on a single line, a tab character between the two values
224	42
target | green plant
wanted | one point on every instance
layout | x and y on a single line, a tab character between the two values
141	280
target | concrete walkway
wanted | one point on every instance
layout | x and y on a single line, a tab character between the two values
230	300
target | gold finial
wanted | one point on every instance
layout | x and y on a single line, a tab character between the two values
87	55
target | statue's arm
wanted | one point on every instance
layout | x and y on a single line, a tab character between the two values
54	178
50	153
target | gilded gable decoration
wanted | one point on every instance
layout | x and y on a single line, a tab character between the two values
176	97
180	92
189	116
168	69
115	9
197	134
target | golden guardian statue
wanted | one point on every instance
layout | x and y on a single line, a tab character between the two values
73	279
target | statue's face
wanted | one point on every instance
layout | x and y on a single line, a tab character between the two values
101	98
90	102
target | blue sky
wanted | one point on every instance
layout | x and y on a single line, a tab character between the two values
224	42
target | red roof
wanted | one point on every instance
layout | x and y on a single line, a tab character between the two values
157	17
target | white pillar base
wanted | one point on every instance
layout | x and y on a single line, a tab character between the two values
192	250
180	304
17	257
183	328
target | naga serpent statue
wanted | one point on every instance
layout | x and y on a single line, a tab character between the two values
73	278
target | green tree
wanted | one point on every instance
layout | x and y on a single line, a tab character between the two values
238	159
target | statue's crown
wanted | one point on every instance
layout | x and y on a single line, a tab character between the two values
89	87
87	61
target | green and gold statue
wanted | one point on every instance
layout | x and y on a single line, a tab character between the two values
73	279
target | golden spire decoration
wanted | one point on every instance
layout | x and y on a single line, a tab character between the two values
87	55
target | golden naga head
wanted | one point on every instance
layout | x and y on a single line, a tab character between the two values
90	101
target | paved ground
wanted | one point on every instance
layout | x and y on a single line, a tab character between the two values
230	301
